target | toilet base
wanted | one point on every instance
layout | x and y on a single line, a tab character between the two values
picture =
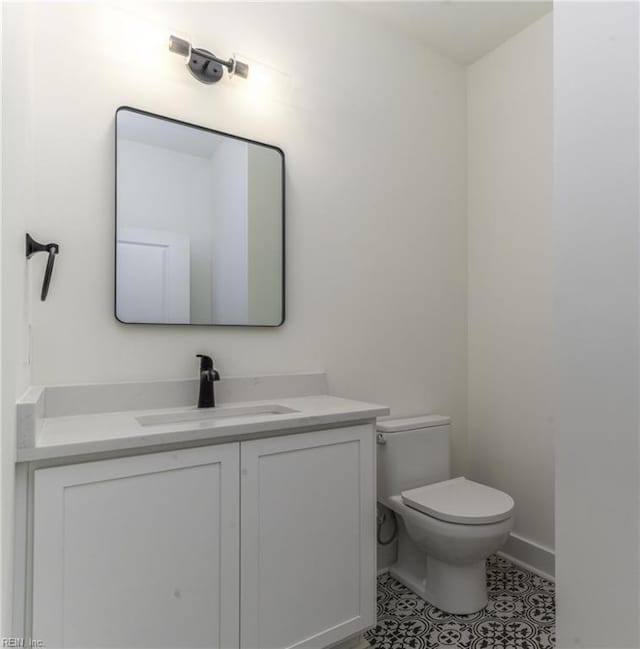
452	588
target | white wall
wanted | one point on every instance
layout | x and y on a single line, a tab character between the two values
376	196
264	207
376	228
596	280
510	197
229	251
17	209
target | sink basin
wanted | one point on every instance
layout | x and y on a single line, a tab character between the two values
213	414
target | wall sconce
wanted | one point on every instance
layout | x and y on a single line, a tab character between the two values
204	65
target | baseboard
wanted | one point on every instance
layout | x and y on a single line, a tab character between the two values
530	555
358	642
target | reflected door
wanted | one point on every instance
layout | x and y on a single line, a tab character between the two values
153	277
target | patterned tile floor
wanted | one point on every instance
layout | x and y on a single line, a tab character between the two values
520	615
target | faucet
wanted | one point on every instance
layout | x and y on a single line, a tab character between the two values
206	398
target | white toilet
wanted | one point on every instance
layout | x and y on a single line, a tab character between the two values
446	527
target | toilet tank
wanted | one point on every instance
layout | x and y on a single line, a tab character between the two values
412	452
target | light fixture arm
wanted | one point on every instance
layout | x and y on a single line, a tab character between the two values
212	57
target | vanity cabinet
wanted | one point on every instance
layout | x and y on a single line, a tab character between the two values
138	551
308	538
254	544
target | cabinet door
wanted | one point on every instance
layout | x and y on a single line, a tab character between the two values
138	551
308	538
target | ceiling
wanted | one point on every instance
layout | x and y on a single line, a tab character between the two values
462	30
167	134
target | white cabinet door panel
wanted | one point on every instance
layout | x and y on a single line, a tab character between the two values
308	538
138	551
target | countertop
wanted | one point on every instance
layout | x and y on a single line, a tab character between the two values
101	432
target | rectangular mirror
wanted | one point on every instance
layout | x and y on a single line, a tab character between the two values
199	225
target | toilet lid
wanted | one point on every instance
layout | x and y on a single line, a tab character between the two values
460	501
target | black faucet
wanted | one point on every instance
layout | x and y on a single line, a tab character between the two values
206	398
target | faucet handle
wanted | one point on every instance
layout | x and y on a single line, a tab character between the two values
206	362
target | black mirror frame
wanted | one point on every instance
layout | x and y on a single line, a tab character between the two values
115	246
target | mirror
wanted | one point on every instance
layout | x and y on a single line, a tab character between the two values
199	225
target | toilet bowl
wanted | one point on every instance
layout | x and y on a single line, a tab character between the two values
446	527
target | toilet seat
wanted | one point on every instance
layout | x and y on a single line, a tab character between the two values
460	501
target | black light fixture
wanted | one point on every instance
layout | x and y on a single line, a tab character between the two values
204	65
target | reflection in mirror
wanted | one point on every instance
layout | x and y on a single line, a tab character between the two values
199	225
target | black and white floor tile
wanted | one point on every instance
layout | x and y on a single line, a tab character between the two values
520	615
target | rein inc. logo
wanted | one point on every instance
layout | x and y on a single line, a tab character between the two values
22	642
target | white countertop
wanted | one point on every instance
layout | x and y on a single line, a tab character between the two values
100	432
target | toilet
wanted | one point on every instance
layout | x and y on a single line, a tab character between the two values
446	527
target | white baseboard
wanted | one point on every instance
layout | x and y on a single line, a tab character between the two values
530	555
358	642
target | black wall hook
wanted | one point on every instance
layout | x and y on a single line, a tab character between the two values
53	249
